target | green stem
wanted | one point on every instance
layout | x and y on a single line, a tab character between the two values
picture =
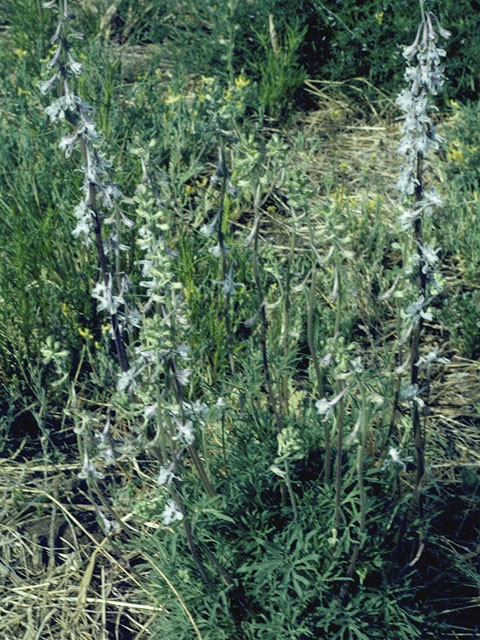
291	493
338	480
318	373
283	395
361	490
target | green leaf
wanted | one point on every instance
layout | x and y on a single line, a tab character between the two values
218	514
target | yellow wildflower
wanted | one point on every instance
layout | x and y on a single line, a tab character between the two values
241	82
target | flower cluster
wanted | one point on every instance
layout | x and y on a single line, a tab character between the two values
425	79
419	132
160	355
99	191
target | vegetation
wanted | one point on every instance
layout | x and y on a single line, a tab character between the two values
238	331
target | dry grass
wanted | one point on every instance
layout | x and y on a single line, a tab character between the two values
61	578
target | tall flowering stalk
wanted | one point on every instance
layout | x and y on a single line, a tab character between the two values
100	193
228	286
425	79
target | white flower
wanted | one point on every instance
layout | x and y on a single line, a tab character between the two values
408	217
108	525
48	84
216	251
197	411
66	144
171	513
106	300
411	394
325	407
182	376
88	469
228	285
75	67
208	230
427	257
185	432
150	411
132	318
354	433
419	136
432	199
166	476
183	351
416	310
326	360
126	380
146	266
357	366
108	455
56	110
397	459
432	357
407	182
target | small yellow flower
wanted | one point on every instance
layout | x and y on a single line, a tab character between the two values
172	98
455	154
371	205
241	82
379	17
105	327
65	309
85	333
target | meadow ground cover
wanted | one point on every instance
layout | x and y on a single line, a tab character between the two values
239	324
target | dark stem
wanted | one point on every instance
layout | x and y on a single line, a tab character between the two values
223	253
264	334
415	353
107	276
178	393
338	483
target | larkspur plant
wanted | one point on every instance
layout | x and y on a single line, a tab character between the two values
213	478
100	192
420	137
